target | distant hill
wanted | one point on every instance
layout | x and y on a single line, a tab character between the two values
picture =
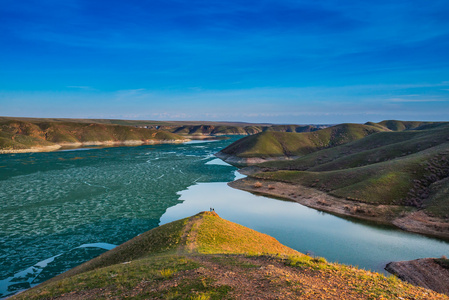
396	125
271	144
207	257
218	129
23	136
38	134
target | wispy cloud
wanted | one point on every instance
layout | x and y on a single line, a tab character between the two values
81	87
417	100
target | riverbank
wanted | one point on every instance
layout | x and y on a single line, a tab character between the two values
247	161
425	272
57	147
402	217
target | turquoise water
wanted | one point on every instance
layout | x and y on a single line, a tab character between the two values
63	208
53	203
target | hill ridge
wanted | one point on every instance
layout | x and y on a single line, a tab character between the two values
154	266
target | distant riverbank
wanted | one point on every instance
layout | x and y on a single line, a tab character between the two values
92	143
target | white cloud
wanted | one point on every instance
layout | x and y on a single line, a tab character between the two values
417	100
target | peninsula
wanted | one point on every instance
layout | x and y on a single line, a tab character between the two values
207	257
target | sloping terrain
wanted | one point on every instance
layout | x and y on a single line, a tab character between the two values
206	257
195	129
396	125
431	273
20	135
289	144
399	168
404	172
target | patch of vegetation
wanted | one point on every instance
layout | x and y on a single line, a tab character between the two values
276	144
437	204
116	280
408	167
17	134
443	261
216	235
396	125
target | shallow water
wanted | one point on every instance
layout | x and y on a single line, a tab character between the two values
63	208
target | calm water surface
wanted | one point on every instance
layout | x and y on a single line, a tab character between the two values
63	208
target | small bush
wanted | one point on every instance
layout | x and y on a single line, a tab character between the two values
201	296
167	273
257	184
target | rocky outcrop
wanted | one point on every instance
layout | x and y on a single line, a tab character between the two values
423	272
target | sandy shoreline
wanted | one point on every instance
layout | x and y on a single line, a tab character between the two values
92	143
412	221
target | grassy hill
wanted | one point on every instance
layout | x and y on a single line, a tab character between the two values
397	170
396	125
206	257
278	144
21	135
184	128
393	168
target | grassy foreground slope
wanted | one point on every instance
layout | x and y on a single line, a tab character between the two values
22	135
206	257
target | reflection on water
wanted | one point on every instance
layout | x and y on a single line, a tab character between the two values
307	230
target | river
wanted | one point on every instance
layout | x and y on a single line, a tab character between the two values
60	209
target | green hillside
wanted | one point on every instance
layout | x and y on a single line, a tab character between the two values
379	147
277	144
17	135
206	257
184	128
406	168
396	125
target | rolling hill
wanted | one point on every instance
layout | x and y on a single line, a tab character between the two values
404	171
271	144
17	136
38	134
206	257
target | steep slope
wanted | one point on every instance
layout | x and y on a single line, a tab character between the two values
379	147
206	257
289	144
431	273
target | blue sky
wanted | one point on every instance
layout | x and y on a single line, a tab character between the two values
283	61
